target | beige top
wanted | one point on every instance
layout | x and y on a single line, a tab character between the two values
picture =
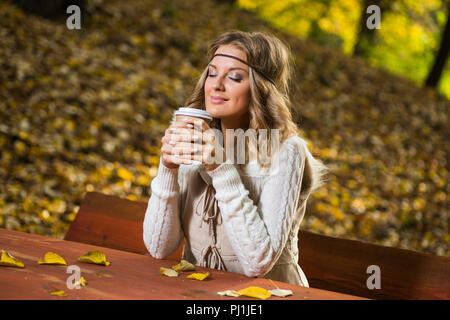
234	219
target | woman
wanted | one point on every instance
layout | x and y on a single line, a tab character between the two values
241	218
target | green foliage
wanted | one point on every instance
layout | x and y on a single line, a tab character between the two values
85	111
331	22
405	44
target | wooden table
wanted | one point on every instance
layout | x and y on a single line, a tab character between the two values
130	275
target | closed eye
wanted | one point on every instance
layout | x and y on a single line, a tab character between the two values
232	77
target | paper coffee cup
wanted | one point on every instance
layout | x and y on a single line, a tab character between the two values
195	114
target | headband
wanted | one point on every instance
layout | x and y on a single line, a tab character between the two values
244	62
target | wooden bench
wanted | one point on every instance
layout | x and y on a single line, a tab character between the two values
329	263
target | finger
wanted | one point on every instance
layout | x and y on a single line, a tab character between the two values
181	159
175	159
165	139
186	148
186	135
167	159
183	148
209	137
181	124
182	130
200	155
168	149
198	123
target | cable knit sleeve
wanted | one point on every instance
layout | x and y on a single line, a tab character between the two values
258	232
162	224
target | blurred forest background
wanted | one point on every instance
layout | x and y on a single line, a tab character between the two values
84	110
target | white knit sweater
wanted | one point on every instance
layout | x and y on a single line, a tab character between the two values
261	212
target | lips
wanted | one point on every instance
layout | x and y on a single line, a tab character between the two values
217	99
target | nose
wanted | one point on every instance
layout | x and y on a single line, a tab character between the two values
218	84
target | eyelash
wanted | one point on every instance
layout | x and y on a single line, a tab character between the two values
234	79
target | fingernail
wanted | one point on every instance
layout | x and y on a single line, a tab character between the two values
195	138
172	142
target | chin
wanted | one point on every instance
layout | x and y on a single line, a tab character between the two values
214	112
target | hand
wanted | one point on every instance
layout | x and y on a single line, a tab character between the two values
177	142
208	150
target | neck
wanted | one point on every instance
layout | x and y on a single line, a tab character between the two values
241	122
236	123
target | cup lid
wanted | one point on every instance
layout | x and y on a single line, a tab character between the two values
193	112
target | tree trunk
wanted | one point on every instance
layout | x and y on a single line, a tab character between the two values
441	56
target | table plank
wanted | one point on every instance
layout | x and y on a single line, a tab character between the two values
130	275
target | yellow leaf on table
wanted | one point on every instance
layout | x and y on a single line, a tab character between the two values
184	266
255	292
198	276
82	282
8	260
281	292
229	293
168	272
60	293
53	258
95	257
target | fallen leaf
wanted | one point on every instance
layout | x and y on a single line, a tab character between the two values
95	257
229	293
168	272
8	260
280	292
198	276
60	293
125	174
184	266
255	292
53	258
82	282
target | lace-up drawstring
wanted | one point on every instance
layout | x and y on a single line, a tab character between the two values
210	214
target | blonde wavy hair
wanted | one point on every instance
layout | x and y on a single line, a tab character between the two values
270	106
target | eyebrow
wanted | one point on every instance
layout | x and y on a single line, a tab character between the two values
235	68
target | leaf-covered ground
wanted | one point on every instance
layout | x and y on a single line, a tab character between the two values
85	110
